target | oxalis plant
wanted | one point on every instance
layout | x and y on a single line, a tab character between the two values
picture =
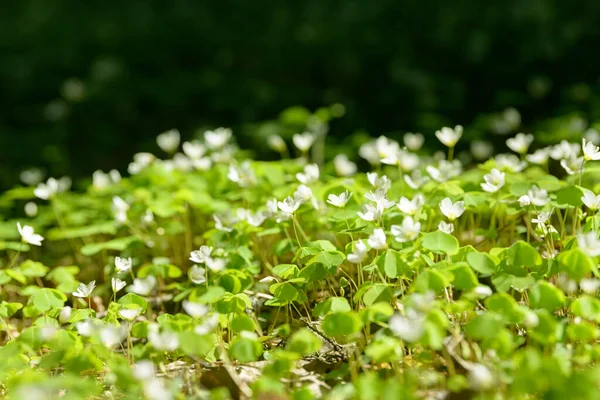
210	275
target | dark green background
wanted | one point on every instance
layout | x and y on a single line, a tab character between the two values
148	66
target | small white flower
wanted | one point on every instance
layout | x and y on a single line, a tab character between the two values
197	274
542	218
590	151
538	197
65	314
140	162
31	209
154	389
216	264
100	180
371	213
520	143
48	190
382	182
407	161
310	174
144	370
194	150
409	328
86	328
303	194
162	341
539	157
120	208
111	335
195	310
84	290
493	181
130	314
224	222
591	200
218	138
448	136
123	264
480	377
413	141
377	240
243	174
416	179
208	325
589	285
411	207
142	286
360	251
445	170
531	320
452	211
446	227
117	284
201	255
256	219
409	230
289	205
564	150
169	141
572	165
510	162
339	200
304	141
31	176
524	200
276	143
589	243
483	291
28	235
343	166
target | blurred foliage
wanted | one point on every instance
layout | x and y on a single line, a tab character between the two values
85	84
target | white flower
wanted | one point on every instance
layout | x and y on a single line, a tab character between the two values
140	162
590	151
589	243
531	320
539	157
371	213
572	164
480	377
510	162
591	200
120	208
445	170
565	150
144	286
117	284
589	285
343	166
538	197
277	143
413	141
197	274
169	141
452	211
86	328
218	138
32	176
520	143
28	235
100	180
483	291
379	197
47	190
446	227
407	161
130	313
31	209
154	389
208	325
310	174
416	179
84	290
143	370
216	264
195	310
493	181
411	207
542	218
524	200
123	264
377	240
409	328
360	251
243	174
201	255
303	194
194	150
409	230
481	150
382	182
162	341
256	219
339	200
65	314
111	335
289	205
303	141
448	136
227	225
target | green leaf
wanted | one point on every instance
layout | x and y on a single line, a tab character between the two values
286	271
587	307
464	277
242	322
484	326
304	342
522	254
570	195
430	279
576	264
106	228
284	291
132	298
482	263
119	244
33	269
16	246
440	242
331	305
46	299
377	293
547	296
245	349
342	324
